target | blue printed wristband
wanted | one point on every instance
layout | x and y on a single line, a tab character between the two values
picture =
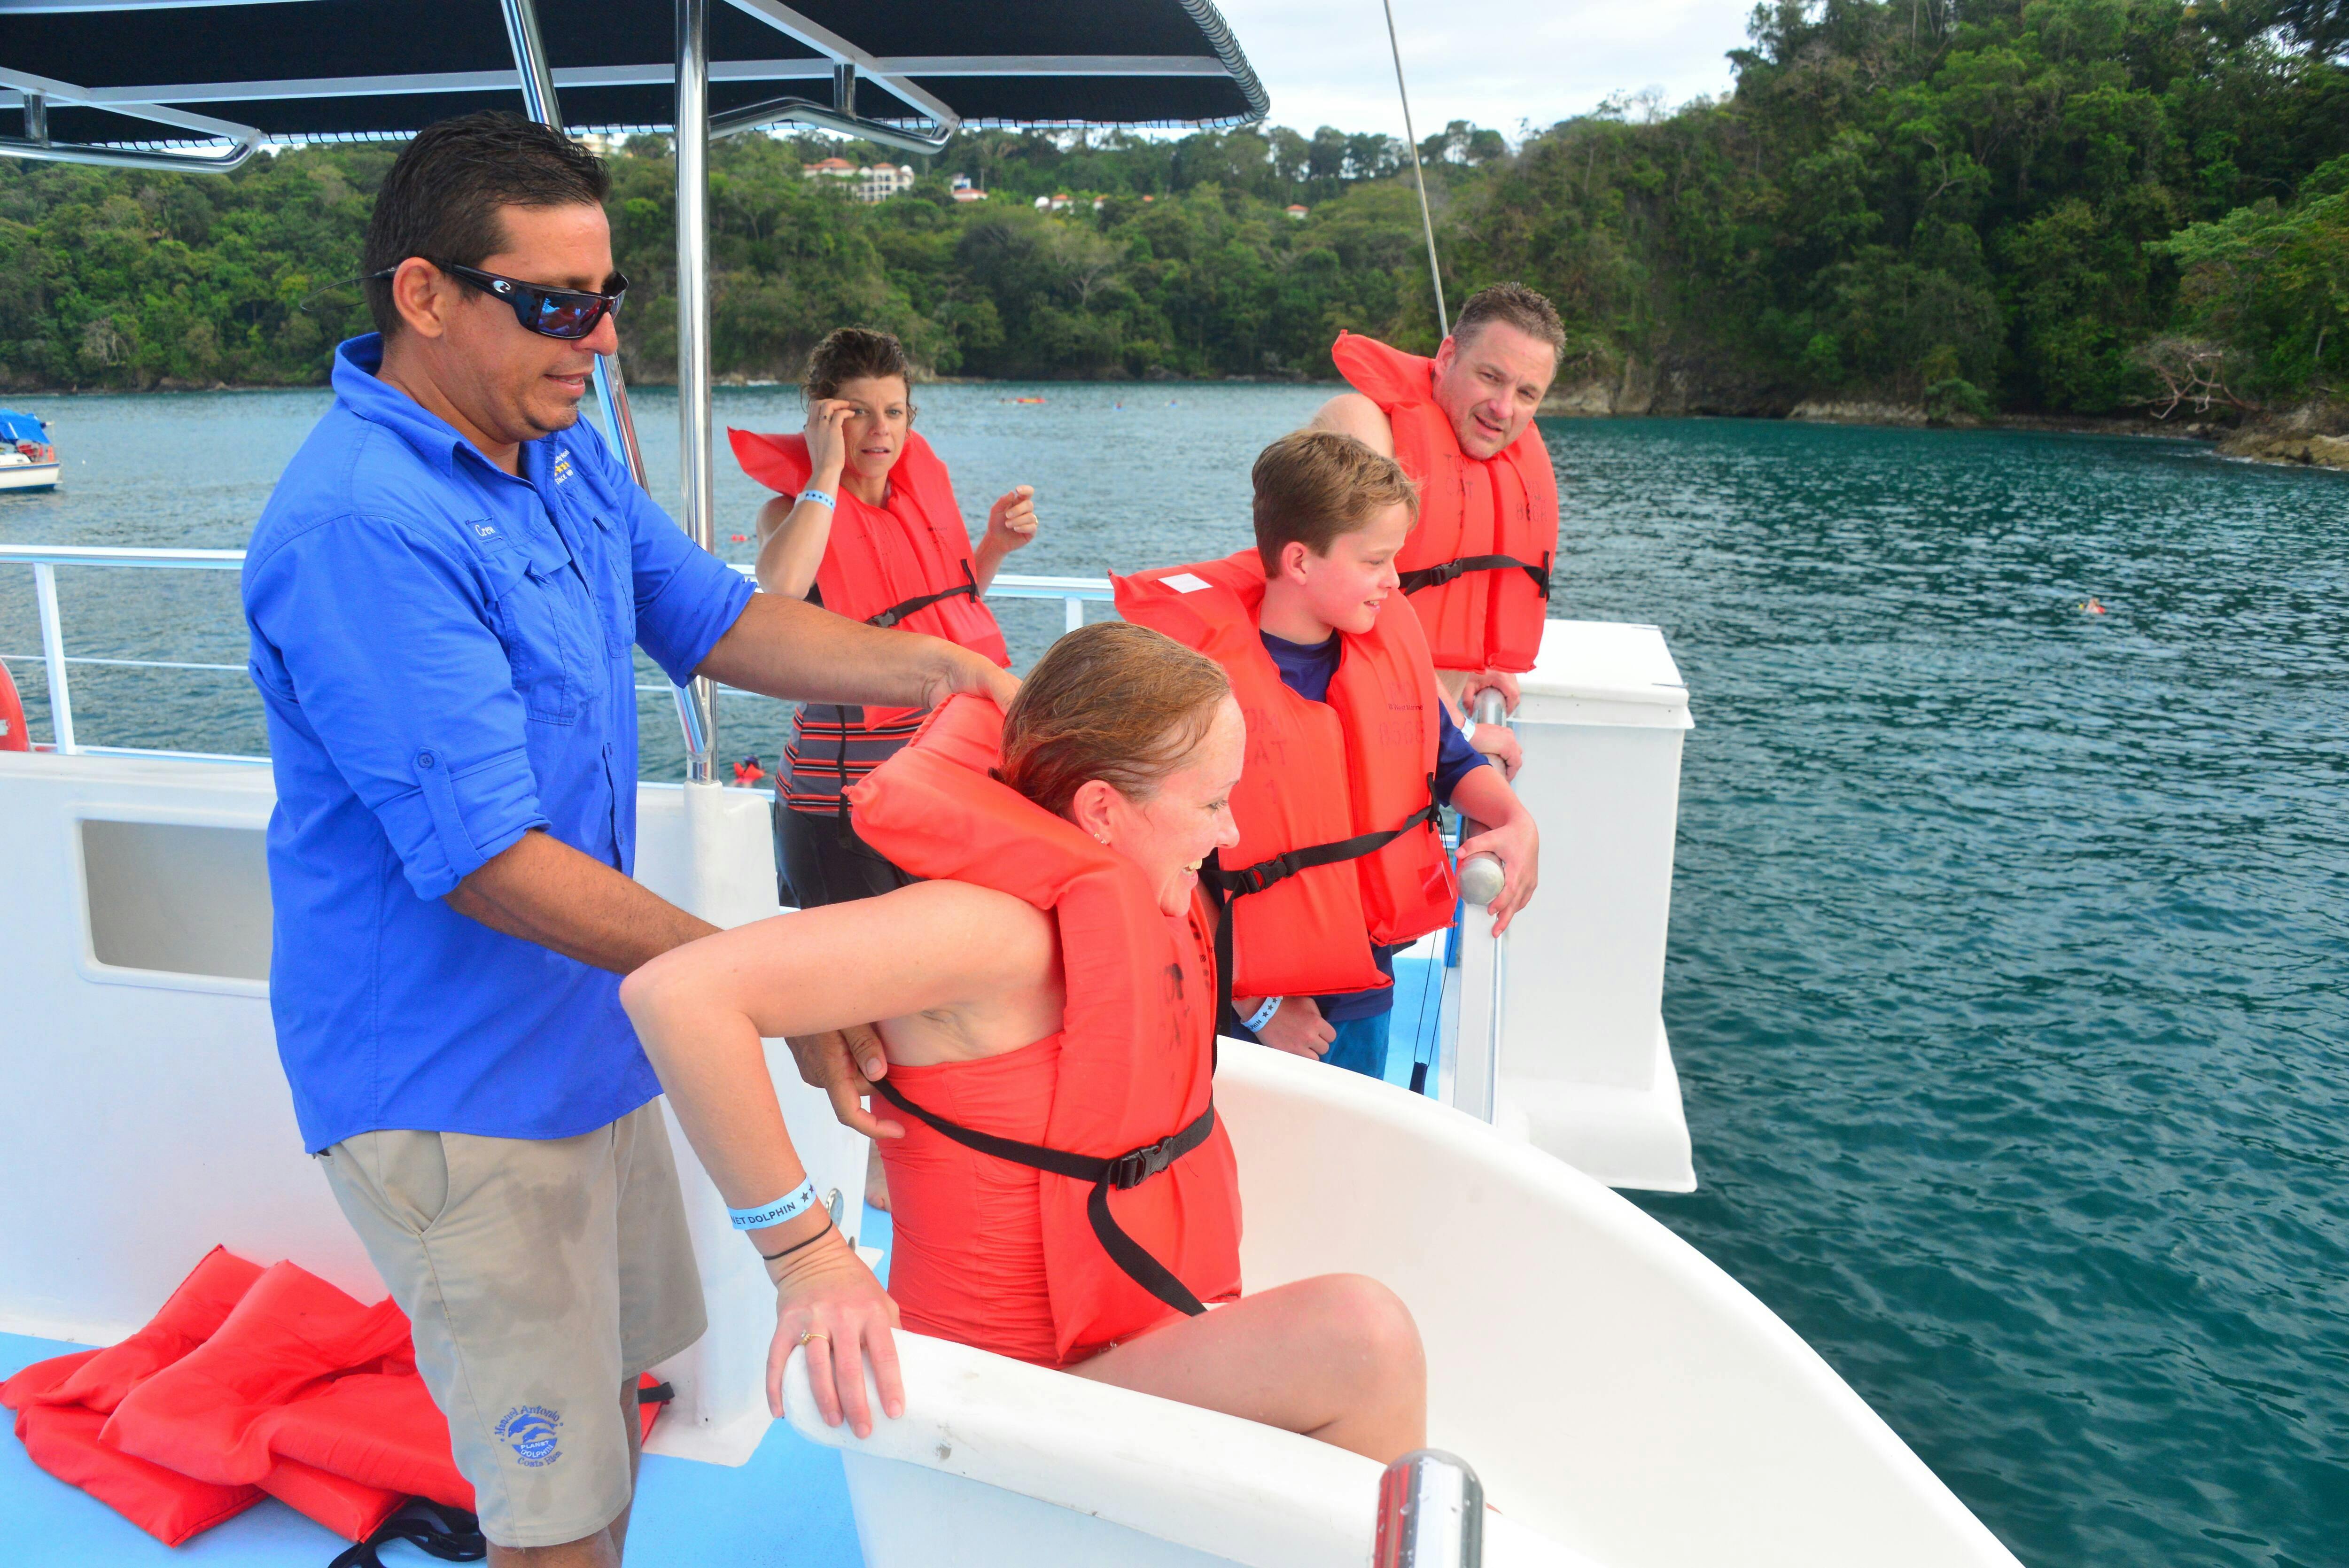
1263	1015
812	494
790	1206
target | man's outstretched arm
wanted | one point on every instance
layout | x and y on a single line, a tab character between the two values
541	889
1351	414
788	648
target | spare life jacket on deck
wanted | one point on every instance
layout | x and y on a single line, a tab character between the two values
1339	846
1139	1192
248	1382
905	564
1478	566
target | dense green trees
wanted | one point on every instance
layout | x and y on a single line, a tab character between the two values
1949	201
2062	205
124	280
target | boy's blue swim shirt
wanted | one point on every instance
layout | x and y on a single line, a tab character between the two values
443	651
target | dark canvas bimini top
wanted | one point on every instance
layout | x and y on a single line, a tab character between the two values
310	68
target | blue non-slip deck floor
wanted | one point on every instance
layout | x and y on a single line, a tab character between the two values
788	1507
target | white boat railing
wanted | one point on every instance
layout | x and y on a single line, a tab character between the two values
1073	592
1464	1077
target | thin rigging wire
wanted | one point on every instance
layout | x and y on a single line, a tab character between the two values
1411	140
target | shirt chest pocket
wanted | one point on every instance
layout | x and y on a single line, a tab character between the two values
548	625
617	584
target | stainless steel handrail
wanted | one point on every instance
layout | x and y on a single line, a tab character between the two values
1074	592
1431	1513
112	555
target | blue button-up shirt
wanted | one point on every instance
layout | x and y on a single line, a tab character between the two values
443	649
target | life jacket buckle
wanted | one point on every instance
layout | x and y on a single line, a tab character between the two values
884	620
1129	1170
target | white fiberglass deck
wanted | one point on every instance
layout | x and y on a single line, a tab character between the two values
787	1506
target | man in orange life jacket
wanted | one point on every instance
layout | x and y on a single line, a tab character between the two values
1462	425
1349	749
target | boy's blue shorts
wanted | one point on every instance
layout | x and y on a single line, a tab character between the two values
1361	1045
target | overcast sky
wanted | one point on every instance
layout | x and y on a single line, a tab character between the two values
1496	62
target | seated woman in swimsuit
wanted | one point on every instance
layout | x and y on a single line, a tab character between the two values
1048	1005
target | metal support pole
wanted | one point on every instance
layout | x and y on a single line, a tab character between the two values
530	63
53	657
1411	140
612	398
537	76
1073	613
697	705
1431	1513
36	118
844	87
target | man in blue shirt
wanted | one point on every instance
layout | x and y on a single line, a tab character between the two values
443	596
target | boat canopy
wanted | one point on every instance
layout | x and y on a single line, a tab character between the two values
198	87
21	427
151	74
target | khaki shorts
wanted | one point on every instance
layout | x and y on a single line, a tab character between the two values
541	1276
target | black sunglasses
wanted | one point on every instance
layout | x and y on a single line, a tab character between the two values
548	312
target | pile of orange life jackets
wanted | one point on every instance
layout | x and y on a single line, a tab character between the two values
250	1382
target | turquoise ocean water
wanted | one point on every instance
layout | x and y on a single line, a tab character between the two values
2010	957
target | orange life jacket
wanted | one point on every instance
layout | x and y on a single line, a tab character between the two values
248	1382
1140	1194
1478	566
13	733
905	564
1339	846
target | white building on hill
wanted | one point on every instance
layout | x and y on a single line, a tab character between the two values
877	183
882	181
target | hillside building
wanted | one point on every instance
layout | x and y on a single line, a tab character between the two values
876	182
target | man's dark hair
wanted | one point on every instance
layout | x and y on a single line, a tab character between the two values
440	200
1516	305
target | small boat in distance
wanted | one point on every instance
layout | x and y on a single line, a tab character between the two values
28	459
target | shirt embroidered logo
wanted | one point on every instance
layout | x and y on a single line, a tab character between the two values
530	1429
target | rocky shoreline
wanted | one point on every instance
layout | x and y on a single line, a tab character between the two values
2314	435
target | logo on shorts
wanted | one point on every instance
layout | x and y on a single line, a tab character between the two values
530	1429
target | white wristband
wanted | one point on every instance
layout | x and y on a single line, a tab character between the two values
790	1206
1263	1015
813	494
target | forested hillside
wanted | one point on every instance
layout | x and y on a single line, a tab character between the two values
2068	206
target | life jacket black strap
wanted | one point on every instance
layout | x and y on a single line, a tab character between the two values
1436	576
449	1533
896	613
1230	885
1126	1170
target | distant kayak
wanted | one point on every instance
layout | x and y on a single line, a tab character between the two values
1027	400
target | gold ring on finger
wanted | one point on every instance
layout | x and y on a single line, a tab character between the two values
815	1334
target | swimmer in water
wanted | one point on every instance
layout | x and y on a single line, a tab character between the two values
2094	606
